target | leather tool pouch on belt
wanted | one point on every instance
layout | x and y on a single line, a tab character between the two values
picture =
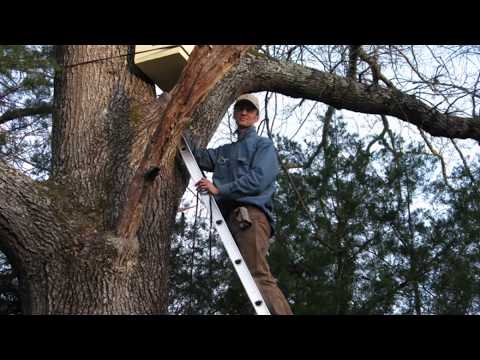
241	215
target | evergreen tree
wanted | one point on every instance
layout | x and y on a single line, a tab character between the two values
352	235
26	90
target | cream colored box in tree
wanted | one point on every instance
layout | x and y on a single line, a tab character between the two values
162	63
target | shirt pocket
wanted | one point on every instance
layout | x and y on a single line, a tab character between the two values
223	161
222	168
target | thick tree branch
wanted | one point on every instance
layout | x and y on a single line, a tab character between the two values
28	218
31	227
342	93
207	65
40	109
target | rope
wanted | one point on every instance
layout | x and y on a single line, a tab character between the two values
192	262
210	239
210	252
194	237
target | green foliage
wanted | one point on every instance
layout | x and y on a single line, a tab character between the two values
26	90
209	286
27	70
9	298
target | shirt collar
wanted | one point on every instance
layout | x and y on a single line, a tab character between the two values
250	131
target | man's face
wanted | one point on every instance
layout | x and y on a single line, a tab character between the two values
245	114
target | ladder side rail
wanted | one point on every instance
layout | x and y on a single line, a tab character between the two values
226	237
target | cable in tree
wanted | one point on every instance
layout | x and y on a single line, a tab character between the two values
194	235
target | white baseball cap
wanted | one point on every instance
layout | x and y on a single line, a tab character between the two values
249	97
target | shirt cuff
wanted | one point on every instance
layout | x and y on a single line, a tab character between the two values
224	189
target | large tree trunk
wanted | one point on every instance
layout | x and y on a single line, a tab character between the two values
94	239
102	119
68	262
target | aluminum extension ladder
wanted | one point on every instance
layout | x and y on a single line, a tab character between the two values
225	235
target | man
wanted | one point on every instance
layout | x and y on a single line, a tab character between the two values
243	184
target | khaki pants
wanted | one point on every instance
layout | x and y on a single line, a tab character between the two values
253	243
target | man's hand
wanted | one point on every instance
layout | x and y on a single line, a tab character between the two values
206	184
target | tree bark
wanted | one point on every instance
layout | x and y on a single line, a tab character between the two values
73	262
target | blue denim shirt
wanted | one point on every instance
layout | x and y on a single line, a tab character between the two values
244	171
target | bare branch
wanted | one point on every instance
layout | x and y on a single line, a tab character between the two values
303	121
438	156
30	222
324	143
465	165
342	93
41	109
374	66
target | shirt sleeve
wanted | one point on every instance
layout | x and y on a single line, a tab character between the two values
206	158
263	172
